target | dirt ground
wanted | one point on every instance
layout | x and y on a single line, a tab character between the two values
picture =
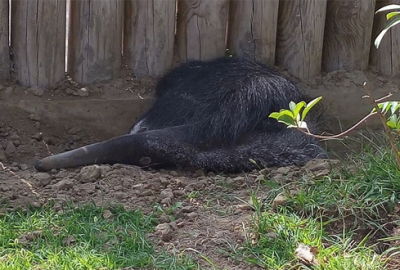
212	216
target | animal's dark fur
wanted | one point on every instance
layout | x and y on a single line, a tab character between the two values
214	115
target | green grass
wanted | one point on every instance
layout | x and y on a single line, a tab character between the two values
81	238
339	214
279	234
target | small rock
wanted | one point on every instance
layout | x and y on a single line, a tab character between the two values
166	201
89	174
23	167
279	200
14	137
166	232
107	214
69	240
73	130
83	92
283	170
146	192
10	148
64	184
43	178
120	195
69	91
239	180
89	188
164	218
38	136
187	209
36	90
34	117
178	192
167	193
17	143
192	215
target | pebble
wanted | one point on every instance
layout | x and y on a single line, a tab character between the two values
38	136
23	166
167	193
43	178
10	148
107	214
34	117
64	184
83	92
279	200
36	90
89	174
192	215
166	231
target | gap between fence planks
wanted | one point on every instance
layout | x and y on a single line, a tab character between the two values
252	29
4	48
38	41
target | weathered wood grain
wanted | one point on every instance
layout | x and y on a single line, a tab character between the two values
348	34
38	41
386	59
252	29
149	36
95	40
4	48
201	29
300	36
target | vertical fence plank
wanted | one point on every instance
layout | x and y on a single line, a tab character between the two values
252	29
38	41
4	48
386	59
95	40
348	34
149	36
201	29
300	36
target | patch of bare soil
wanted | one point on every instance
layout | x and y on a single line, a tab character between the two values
199	212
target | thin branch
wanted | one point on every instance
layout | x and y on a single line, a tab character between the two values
344	133
383	120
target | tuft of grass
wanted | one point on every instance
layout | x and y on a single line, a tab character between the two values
279	234
336	215
85	237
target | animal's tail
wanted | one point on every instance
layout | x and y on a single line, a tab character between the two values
171	147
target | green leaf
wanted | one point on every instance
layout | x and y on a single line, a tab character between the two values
390	24
391	124
286	119
309	106
299	106
392	14
275	115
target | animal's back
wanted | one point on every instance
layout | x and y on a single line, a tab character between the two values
222	99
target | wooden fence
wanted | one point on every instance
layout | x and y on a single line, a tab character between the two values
303	36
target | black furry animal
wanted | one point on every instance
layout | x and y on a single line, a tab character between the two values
207	114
